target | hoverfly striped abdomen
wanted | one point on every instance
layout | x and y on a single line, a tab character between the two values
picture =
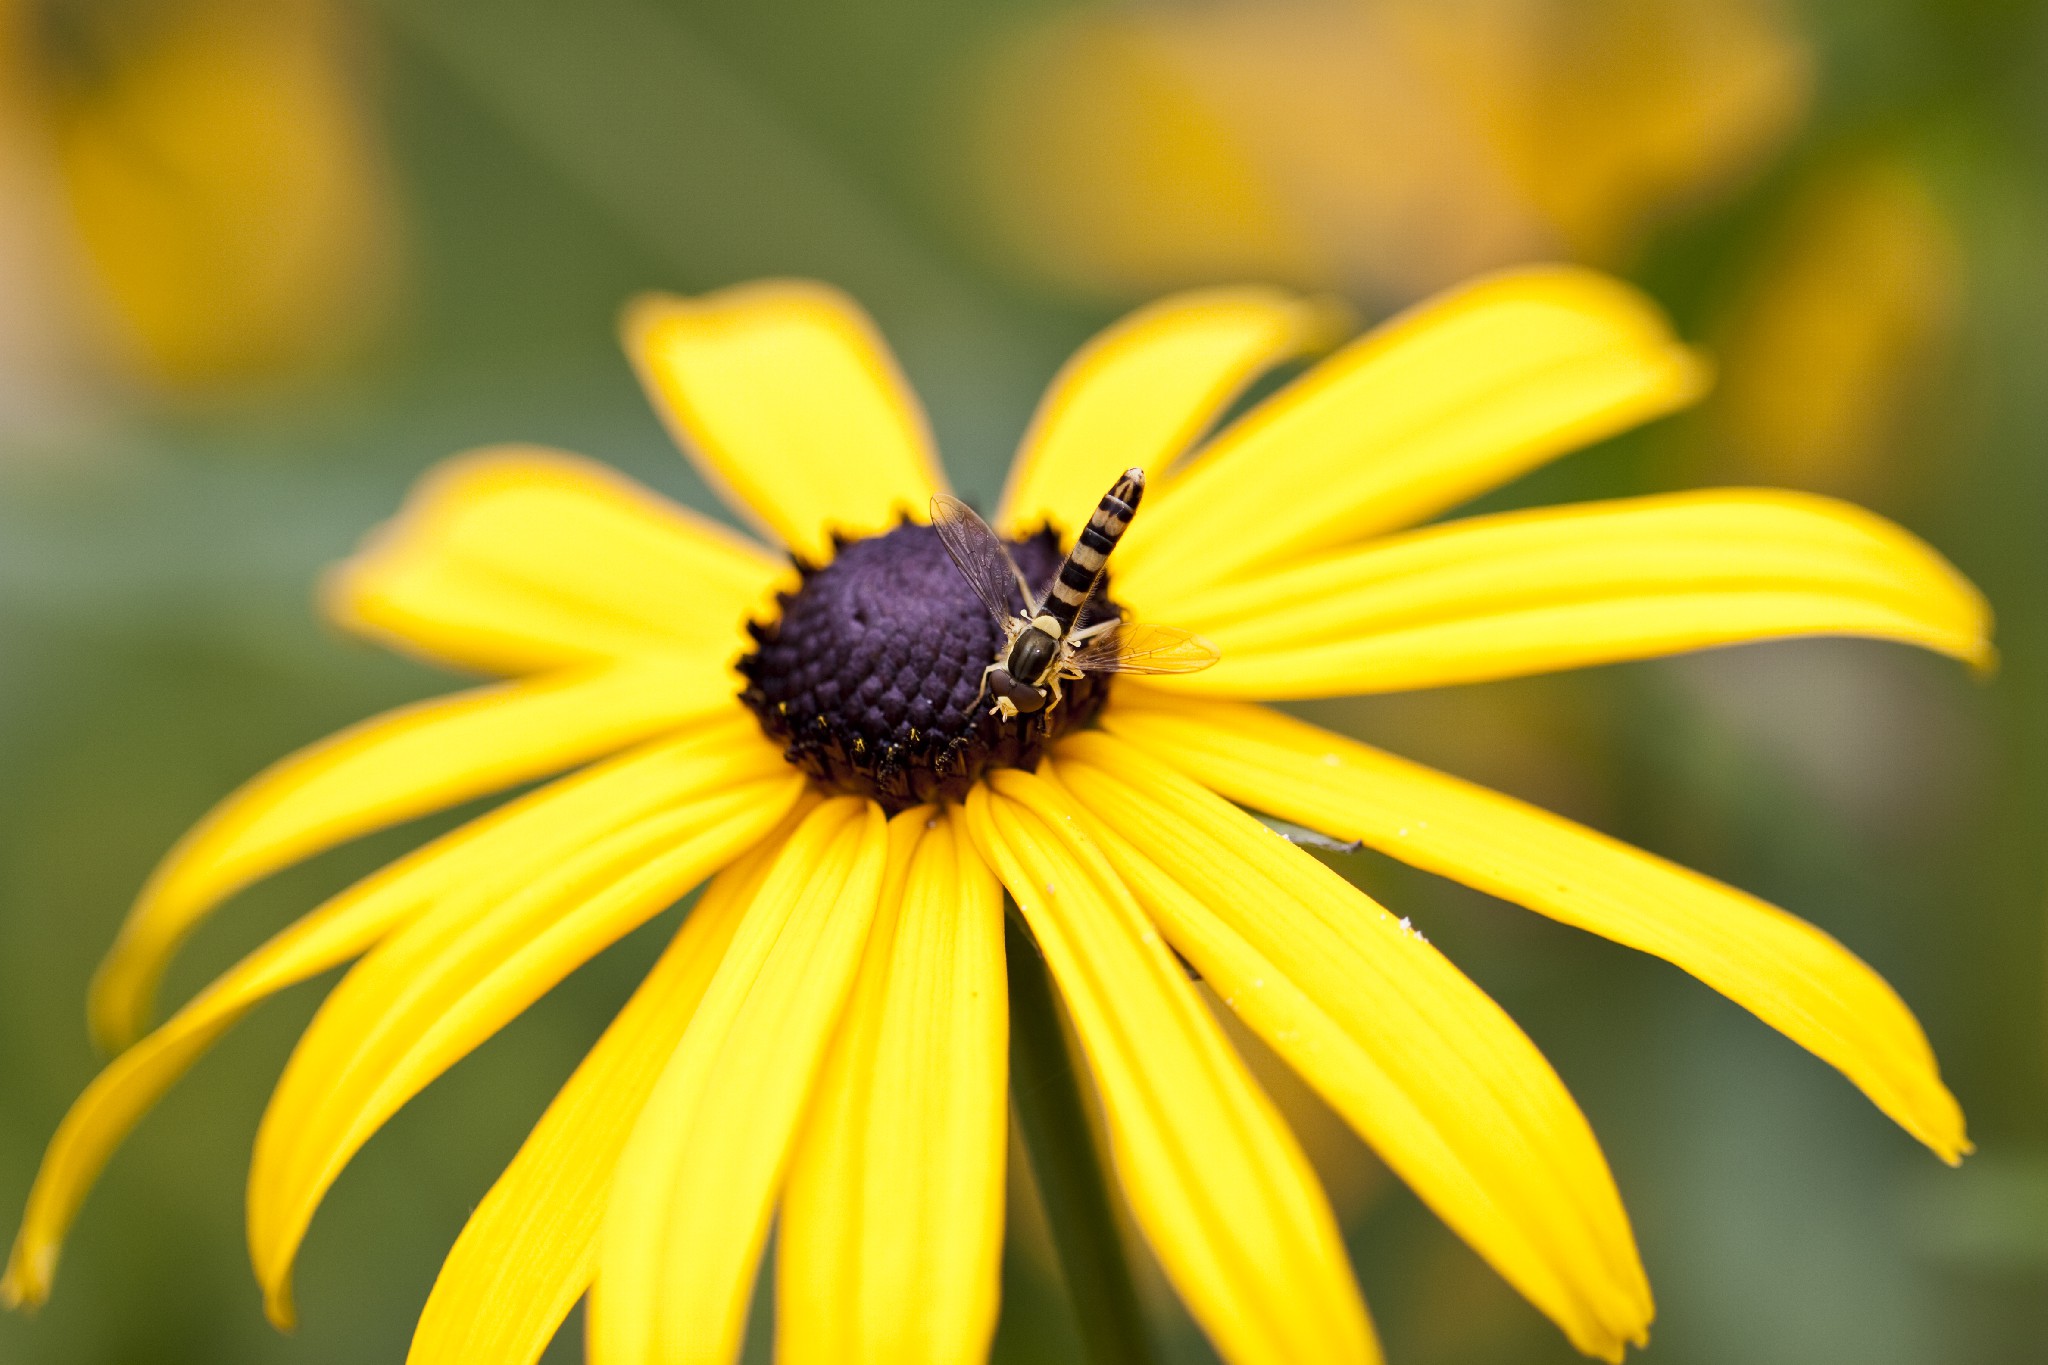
1079	576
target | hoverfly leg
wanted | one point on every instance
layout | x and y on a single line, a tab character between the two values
1052	682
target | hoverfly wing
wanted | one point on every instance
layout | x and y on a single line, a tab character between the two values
979	555
1131	648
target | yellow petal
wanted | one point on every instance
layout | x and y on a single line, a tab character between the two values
1142	391
502	848
515	559
1458	395
1848	308
1218	1185
433	991
528	1251
1429	1070
396	766
891	1234
790	404
691	1200
1564	587
1788	973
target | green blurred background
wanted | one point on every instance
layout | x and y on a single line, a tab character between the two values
262	262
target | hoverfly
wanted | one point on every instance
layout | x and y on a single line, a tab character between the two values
1041	646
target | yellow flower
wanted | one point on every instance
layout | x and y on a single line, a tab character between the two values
826	1034
221	206
1829	346
1382	147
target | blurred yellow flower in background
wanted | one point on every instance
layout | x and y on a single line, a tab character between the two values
1839	330
1382	147
1385	147
197	198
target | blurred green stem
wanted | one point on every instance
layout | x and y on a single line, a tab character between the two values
1045	1088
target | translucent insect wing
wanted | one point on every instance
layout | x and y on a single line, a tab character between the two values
1132	648
981	558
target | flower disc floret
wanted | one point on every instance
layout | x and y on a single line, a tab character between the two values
870	677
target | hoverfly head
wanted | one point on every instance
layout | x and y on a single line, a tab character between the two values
1014	698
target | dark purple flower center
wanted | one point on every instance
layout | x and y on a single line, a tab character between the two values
869	677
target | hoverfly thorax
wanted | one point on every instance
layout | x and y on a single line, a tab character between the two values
1044	646
1032	657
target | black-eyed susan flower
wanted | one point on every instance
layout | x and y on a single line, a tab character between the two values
824	1040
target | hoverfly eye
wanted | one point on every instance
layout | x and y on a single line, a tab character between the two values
1023	696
